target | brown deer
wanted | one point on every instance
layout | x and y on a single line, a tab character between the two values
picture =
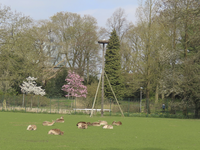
60	120
47	123
103	122
81	122
31	127
82	126
55	132
95	124
89	123
117	123
107	127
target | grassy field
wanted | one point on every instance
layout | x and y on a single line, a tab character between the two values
134	134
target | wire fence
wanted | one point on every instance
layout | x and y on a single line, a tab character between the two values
130	107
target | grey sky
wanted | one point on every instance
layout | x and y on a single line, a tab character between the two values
100	9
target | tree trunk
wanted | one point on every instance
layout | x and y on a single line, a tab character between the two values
31	101
87	69
147	98
23	101
162	96
156	94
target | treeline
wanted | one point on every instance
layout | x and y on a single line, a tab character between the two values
160	52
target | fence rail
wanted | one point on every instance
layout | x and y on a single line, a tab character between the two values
130	107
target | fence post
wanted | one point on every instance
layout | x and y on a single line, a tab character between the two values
66	104
147	107
58	105
14	103
167	108
50	105
110	106
128	105
25	103
75	105
187	109
38	104
2	102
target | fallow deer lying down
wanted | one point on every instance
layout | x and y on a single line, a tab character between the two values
103	122
81	122
95	124
47	123
31	127
55	132
82	126
107	127
89	123
60	120
117	123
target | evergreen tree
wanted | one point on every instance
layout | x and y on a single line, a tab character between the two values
113	67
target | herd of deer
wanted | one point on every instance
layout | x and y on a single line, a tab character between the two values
47	123
84	125
81	125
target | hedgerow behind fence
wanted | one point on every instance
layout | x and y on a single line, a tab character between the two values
130	107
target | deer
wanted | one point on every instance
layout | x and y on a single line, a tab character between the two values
103	122
95	124
81	122
82	126
117	123
89	123
47	123
56	132
107	127
31	127
60	120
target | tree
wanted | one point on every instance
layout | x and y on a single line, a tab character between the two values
74	86
76	37
190	85
15	46
54	85
113	67
118	22
31	87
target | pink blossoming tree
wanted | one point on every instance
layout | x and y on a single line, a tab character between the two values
74	86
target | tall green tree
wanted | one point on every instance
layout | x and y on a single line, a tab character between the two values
113	67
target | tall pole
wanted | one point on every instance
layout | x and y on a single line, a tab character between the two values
140	97
102	76
102	94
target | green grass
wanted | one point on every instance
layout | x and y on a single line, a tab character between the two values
136	133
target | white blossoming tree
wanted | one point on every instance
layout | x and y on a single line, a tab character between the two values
30	87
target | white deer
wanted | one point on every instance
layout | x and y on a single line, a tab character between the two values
103	122
107	127
31	127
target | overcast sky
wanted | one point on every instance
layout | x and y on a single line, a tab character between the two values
100	9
